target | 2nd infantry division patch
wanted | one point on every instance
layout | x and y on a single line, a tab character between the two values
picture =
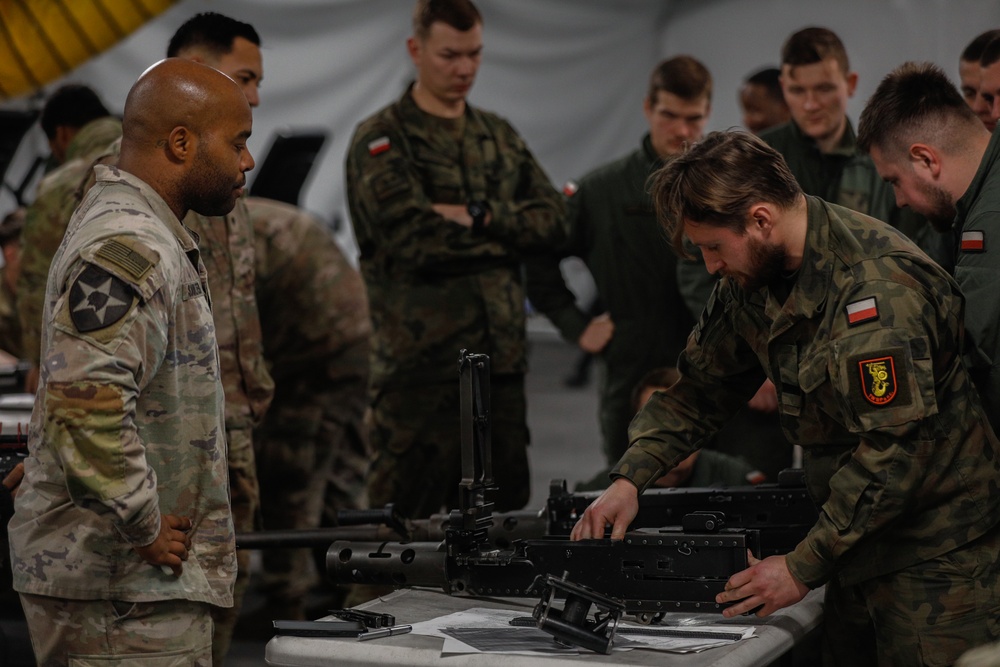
98	299
878	380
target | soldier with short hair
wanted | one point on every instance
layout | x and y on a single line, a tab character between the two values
862	335
122	539
944	165
445	200
969	75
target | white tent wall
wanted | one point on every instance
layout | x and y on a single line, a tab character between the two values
569	74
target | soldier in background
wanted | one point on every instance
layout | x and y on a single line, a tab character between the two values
969	76
80	129
989	81
863	335
122	538
311	450
445	200
10	246
761	101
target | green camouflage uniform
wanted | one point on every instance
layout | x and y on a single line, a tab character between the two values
436	287
846	177
312	449
128	421
977	268
45	222
865	350
227	250
613	228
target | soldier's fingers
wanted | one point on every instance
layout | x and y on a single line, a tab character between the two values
750	559
618	528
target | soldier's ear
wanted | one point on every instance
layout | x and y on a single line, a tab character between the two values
925	159
180	144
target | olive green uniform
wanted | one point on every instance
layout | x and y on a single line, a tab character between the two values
613	228
864	344
978	267
436	287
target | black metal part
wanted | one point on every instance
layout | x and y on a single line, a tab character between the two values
370	619
572	623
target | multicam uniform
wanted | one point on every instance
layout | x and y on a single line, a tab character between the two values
10	324
311	450
864	346
977	268
127	425
435	287
45	222
227	250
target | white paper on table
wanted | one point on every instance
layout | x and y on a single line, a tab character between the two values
501	637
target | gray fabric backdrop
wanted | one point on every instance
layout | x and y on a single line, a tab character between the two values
569	74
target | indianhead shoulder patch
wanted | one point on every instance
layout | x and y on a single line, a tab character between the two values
878	380
98	299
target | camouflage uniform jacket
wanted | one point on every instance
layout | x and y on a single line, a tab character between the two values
844	176
45	223
865	352
127	422
314	300
10	325
977	269
613	228
227	248
435	287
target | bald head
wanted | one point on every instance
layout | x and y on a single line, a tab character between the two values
177	115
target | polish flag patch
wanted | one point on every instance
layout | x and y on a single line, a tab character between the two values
864	310
974	241
379	146
570	188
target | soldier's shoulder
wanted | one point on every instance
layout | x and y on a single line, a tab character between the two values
779	135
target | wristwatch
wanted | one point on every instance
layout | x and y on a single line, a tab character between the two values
478	210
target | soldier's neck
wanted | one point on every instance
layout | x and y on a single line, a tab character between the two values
435	106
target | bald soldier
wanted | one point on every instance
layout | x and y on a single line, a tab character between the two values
122	537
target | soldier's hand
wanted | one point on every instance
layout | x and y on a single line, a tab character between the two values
13	479
457	213
767	584
616	507
171	546
597	335
765	400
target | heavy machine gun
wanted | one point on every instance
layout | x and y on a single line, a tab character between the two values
652	570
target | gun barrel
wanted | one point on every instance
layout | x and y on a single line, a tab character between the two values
388	563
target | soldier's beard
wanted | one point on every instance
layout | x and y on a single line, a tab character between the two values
767	264
941	211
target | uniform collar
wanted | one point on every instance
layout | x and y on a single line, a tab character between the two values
847	147
111	174
815	275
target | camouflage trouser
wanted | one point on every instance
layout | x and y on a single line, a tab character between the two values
312	456
92	633
417	441
927	614
245	499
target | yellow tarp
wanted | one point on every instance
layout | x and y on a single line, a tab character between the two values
42	40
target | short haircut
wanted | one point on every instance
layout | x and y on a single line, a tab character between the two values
461	15
916	102
211	32
991	53
769	79
813	45
10	228
682	76
974	50
716	182
665	376
71	105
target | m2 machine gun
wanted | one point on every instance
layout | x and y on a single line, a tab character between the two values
677	560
